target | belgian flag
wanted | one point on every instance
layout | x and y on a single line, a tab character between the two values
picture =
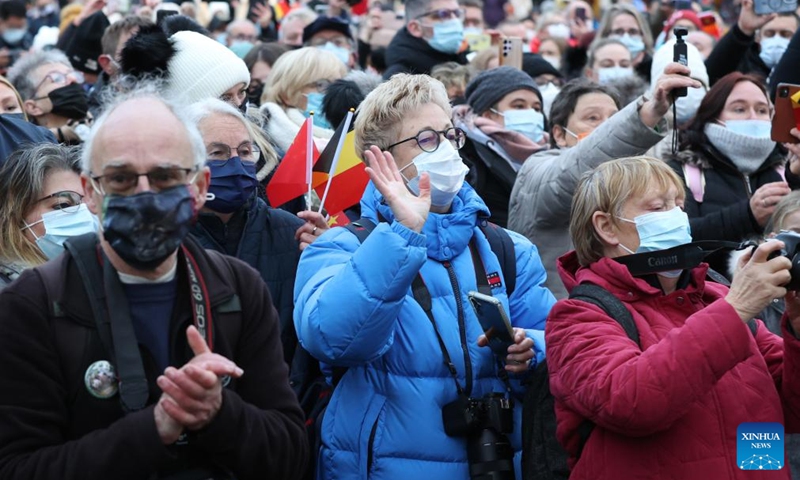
349	180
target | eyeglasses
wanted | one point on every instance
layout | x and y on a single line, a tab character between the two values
123	182
59	78
444	14
68	200
247	151
428	140
633	32
243	37
339	41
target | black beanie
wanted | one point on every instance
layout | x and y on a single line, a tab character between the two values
534	65
85	46
491	86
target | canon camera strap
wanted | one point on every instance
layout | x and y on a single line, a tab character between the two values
124	346
682	257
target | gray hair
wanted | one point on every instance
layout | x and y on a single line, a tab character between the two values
141	91
416	8
238	23
787	206
21	74
304	14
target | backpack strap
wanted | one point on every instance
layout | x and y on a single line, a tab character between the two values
613	306
503	248
695	180
361	228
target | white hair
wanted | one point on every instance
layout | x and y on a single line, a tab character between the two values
199	111
141	91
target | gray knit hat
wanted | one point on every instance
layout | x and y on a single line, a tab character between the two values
491	86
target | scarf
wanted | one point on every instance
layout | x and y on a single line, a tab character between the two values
745	152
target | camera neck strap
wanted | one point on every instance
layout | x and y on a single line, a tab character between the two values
682	257
111	310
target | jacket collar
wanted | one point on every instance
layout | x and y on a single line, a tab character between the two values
74	300
446	235
416	53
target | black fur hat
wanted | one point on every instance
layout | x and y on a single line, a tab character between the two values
147	54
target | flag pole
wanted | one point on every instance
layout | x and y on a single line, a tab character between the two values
336	155
309	154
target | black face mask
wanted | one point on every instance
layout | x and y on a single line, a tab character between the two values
146	228
69	101
254	94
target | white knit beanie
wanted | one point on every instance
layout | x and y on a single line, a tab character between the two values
663	56
202	68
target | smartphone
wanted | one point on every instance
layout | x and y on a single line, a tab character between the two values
683	4
511	52
580	13
765	7
680	54
495	323
787	113
709	23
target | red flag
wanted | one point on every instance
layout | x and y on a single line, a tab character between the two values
338	220
289	181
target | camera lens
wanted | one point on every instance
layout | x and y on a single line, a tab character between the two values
490	456
784	92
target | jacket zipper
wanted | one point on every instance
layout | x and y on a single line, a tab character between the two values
369	446
746	179
462	327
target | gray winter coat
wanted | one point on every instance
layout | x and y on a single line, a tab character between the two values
542	195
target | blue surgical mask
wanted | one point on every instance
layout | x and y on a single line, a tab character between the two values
772	49
661	230
750	128
608	74
241	48
342	54
447	36
59	225
528	122
314	104
634	44
233	183
14	35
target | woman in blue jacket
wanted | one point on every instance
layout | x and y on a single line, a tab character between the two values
355	305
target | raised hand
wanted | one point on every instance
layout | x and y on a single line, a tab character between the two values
409	209
758	280
749	22
193	393
764	200
675	76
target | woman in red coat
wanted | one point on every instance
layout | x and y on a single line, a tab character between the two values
670	409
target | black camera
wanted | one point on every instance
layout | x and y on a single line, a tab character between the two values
680	54
791	250
484	422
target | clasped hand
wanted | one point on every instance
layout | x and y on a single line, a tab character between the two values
192	394
519	354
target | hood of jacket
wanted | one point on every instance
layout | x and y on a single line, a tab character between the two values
282	126
416	54
615	277
707	157
447	235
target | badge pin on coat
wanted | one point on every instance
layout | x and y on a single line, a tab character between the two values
101	380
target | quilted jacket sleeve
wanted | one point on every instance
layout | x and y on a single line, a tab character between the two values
598	372
782	356
348	296
531	301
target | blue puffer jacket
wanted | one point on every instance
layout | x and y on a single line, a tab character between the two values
354	308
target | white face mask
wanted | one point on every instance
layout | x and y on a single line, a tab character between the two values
688	105
558	30
607	74
549	93
553	60
772	49
446	171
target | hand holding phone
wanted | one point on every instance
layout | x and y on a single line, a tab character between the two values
787	113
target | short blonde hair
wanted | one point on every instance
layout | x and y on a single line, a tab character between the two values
296	69
381	114
452	74
606	189
787	206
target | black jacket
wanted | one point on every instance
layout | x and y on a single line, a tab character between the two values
263	238
491	176
725	212
735	51
409	54
786	70
51	427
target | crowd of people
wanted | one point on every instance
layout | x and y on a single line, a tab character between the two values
572	207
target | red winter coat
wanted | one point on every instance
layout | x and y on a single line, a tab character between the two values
670	410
